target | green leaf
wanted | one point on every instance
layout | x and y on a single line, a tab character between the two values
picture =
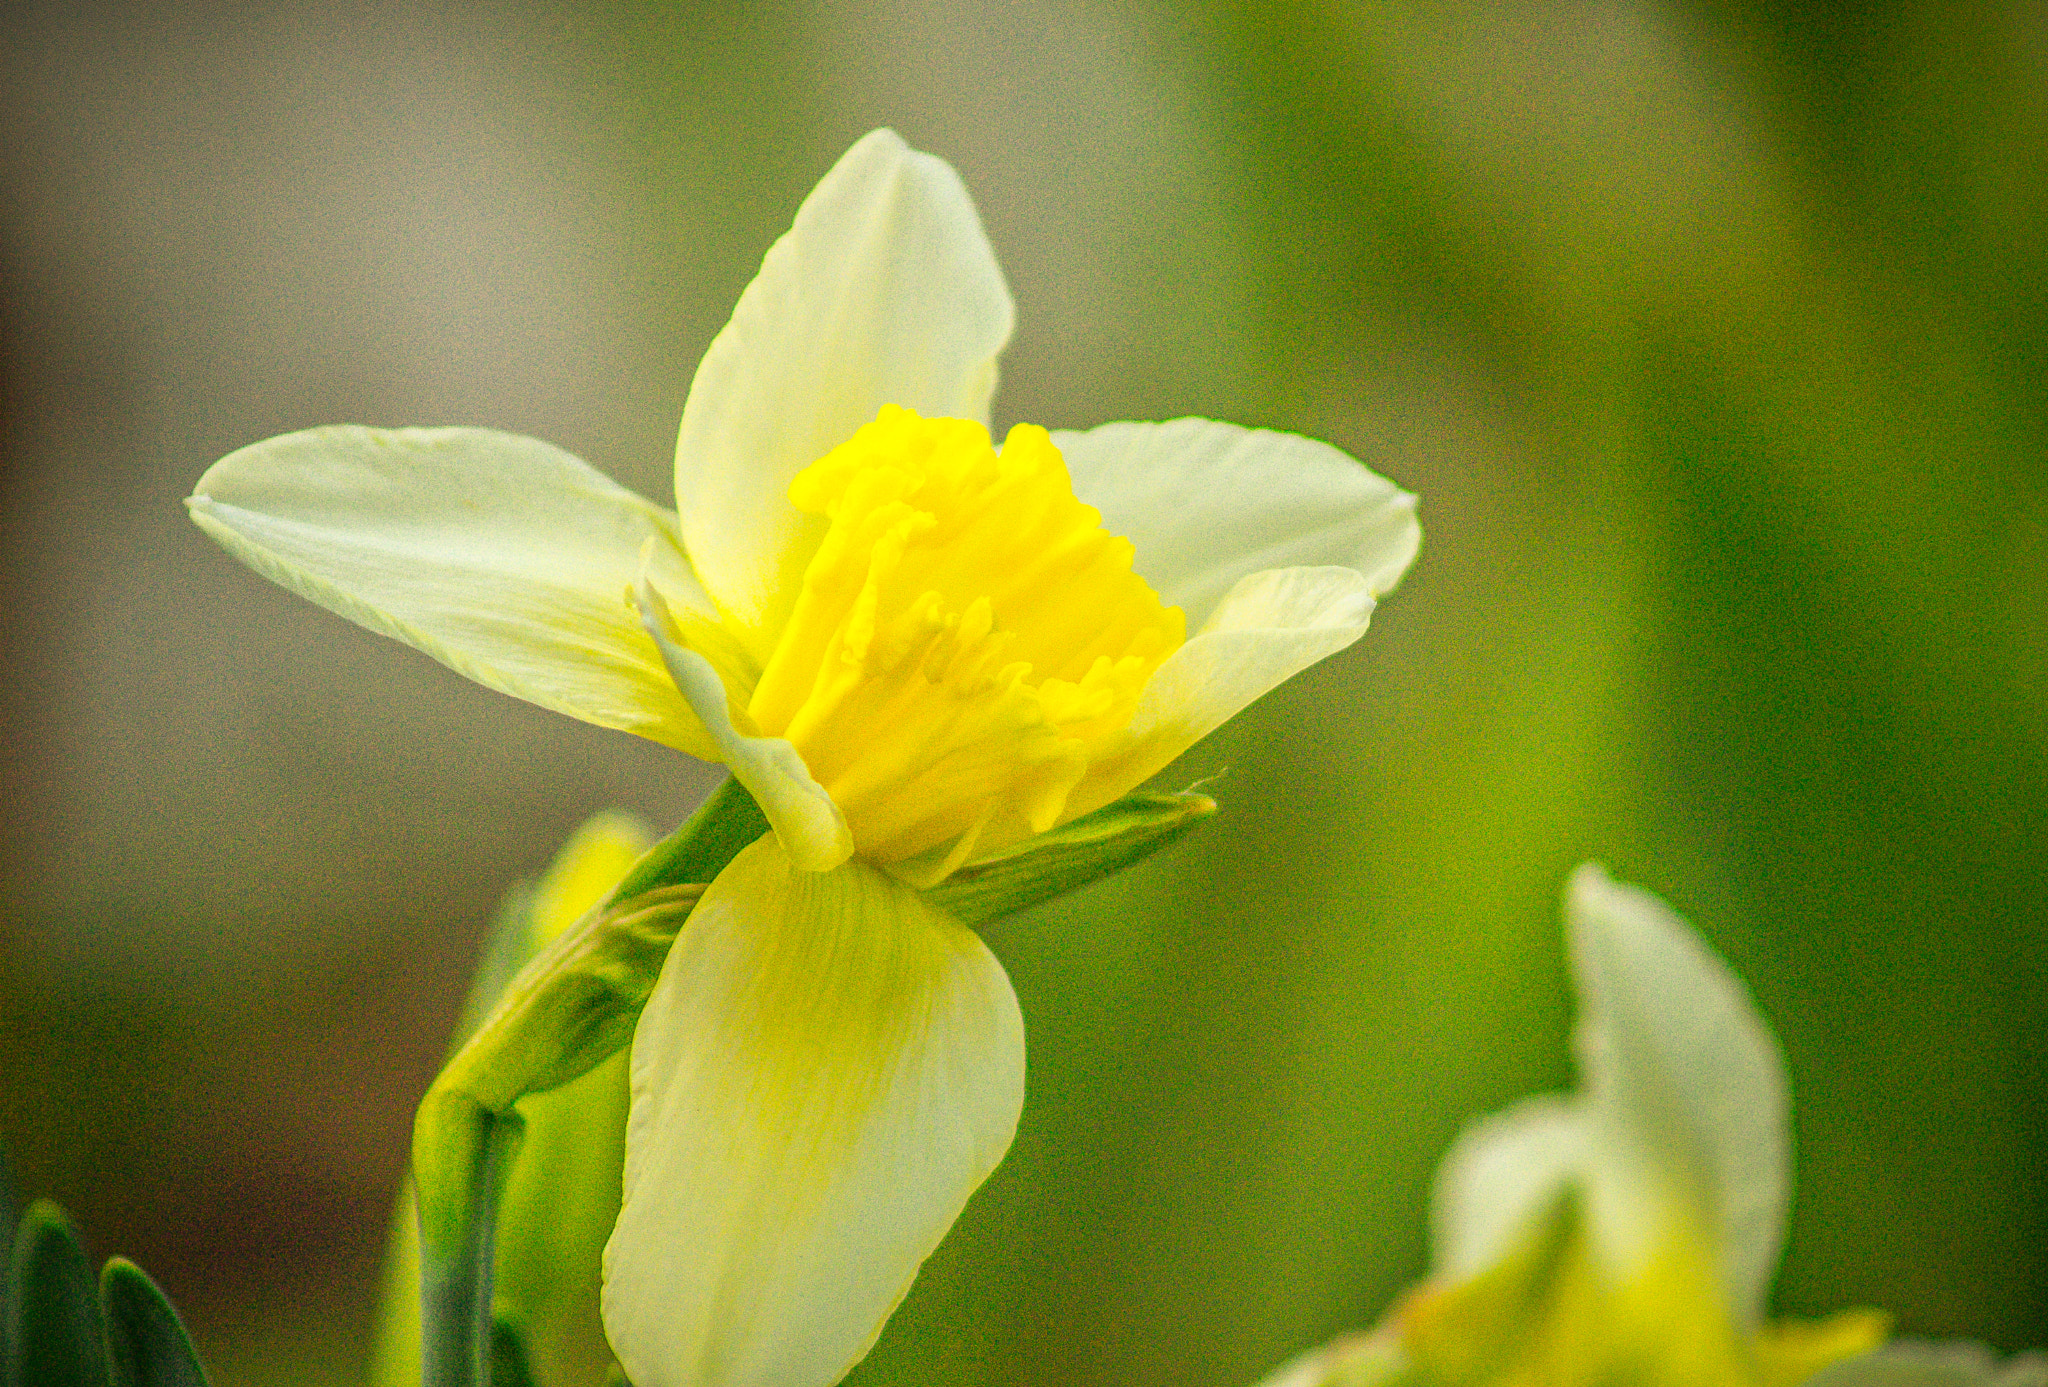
54	1336
146	1341
1072	856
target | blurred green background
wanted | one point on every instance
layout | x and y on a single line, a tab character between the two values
1712	336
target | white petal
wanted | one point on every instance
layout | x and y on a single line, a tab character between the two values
800	810
885	291
1355	1360
503	557
1271	626
1685	1092
826	1070
1502	1172
1948	1364
1206	504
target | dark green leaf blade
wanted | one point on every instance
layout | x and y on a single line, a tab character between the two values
147	1345
10	1217
54	1336
10	1211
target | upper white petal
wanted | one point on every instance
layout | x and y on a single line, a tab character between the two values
826	1070
1685	1093
1269	627
1501	1173
503	557
1206	504
885	291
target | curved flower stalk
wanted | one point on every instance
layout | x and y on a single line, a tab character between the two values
917	651
561	1195
1628	1232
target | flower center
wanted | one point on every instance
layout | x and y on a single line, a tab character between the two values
966	636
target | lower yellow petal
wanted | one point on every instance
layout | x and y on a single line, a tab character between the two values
827	1069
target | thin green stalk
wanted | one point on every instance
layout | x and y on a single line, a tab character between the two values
566	1012
457	1240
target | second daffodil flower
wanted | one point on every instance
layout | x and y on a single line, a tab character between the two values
1624	1235
912	647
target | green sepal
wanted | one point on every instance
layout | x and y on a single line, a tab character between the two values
575	1003
507	946
54	1334
147	1345
698	851
1071	856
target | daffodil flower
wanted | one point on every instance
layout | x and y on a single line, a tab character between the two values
1626	1233
911	647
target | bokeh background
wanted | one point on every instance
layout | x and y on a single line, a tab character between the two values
1713	336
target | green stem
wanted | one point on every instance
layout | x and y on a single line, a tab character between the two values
458	1244
568	1011
727	821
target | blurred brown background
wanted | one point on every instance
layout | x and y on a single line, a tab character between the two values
1711	336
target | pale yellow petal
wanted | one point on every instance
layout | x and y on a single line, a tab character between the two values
503	557
1950	1363
1352	1360
885	291
827	1069
1685	1095
1270	627
1502	1173
1207	503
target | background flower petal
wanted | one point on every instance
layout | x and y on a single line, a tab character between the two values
503	557
1684	1086
1502	1171
885	291
1207	503
1919	1363
1271	626
827	1069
